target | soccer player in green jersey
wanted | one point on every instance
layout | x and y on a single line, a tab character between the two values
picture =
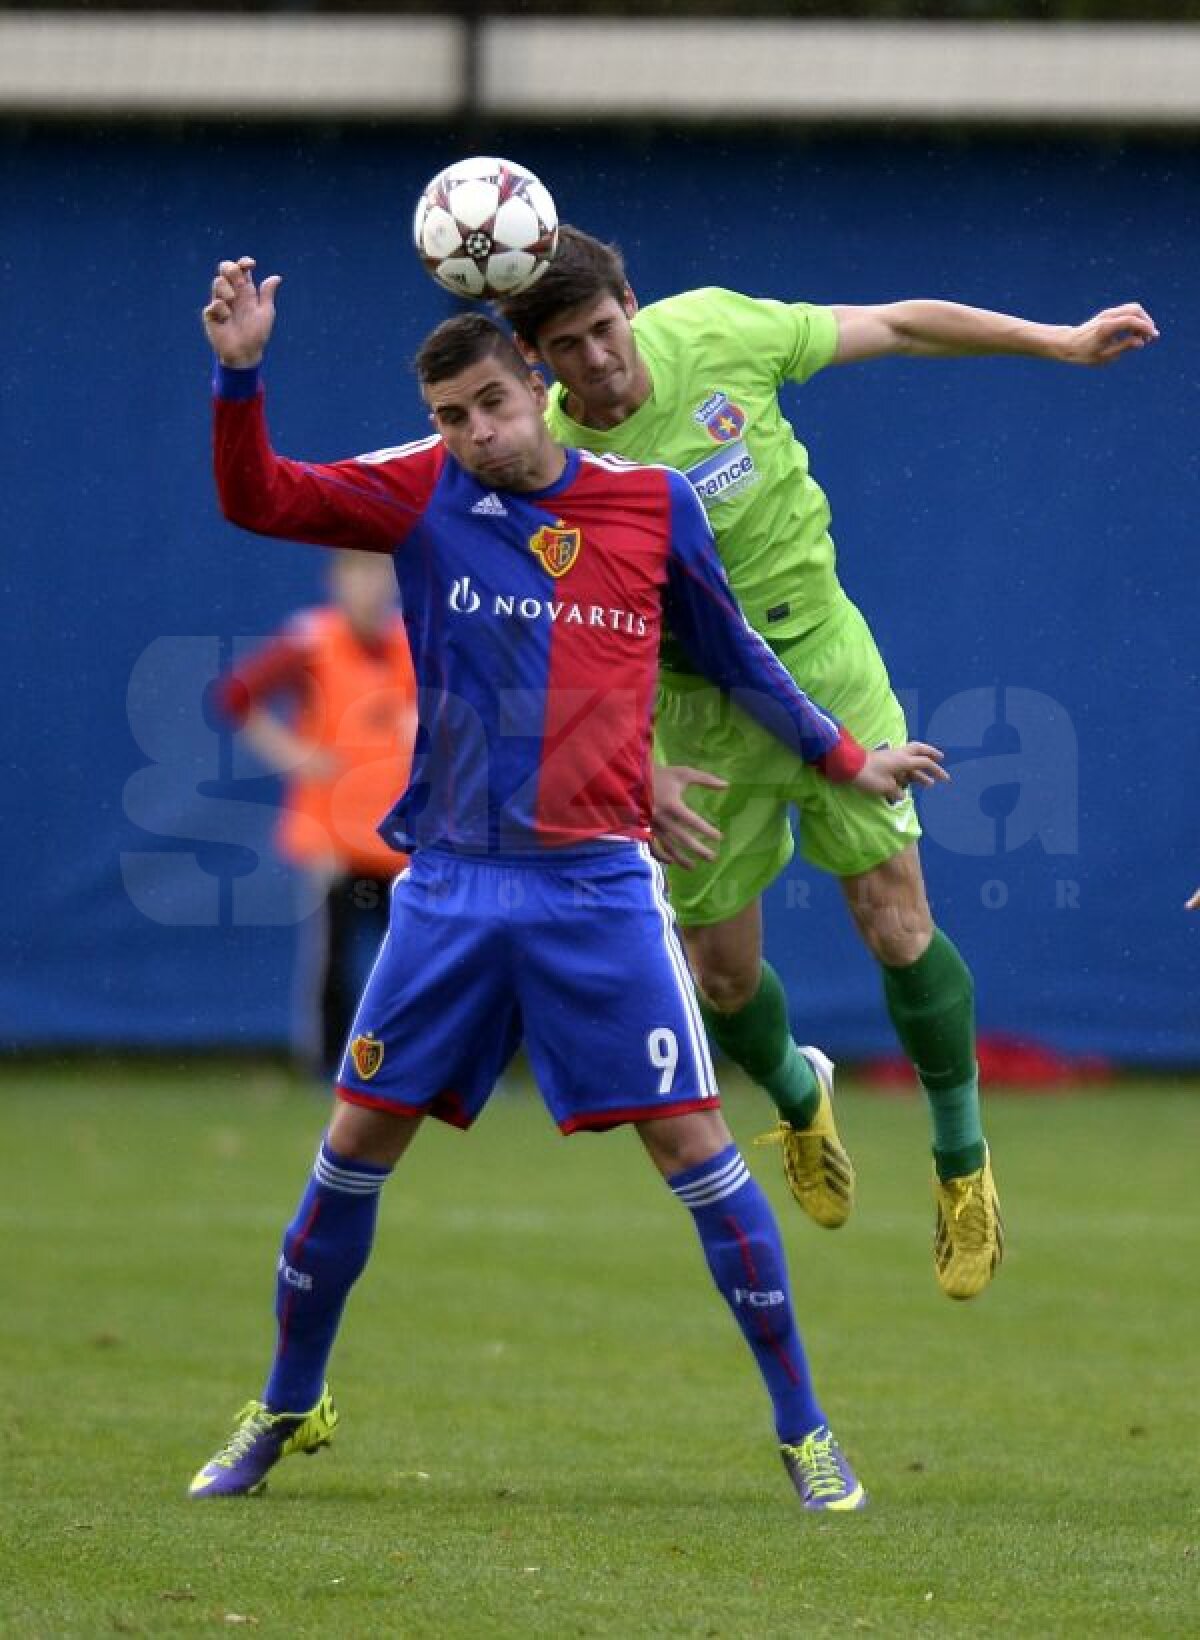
694	381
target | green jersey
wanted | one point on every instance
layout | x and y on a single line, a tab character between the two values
717	361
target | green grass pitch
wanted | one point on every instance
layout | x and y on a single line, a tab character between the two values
549	1426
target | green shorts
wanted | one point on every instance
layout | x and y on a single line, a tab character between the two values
842	830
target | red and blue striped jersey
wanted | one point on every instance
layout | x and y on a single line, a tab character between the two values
534	620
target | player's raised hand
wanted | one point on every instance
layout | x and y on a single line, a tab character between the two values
240	315
680	835
1108	334
890	770
1193	904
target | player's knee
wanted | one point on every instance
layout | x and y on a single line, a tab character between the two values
677	1143
890	909
358	1133
894	935
726	991
726	959
726	980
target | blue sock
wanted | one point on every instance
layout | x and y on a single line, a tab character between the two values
745	1254
325	1250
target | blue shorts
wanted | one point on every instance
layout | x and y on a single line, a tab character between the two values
576	953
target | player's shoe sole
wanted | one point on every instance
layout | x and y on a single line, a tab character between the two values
816	1165
260	1438
822	1475
968	1233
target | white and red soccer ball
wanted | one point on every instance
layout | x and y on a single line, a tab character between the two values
485	227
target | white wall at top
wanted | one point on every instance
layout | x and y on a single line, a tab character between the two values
416	67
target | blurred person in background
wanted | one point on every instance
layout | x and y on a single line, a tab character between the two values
329	704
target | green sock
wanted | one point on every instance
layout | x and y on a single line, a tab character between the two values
932	1006
758	1037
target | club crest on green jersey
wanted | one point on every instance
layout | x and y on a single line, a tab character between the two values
720	417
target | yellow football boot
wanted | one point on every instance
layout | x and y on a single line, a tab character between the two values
819	1172
968	1237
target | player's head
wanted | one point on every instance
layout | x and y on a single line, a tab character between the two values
576	320
582	270
467	339
487	403
363	585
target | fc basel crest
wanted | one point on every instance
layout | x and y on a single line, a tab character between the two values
556	547
367	1054
721	418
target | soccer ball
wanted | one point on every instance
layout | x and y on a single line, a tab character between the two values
485	227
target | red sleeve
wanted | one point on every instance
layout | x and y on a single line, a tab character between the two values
281	664
371	502
843	761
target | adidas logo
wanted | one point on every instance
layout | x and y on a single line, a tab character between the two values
490	506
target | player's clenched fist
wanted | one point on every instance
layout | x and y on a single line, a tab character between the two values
240	315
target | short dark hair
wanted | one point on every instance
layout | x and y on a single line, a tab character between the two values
582	270
460	342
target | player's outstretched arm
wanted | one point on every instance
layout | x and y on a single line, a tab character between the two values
240	316
1194	903
889	770
928	329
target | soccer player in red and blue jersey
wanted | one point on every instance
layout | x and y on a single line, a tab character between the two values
535	582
